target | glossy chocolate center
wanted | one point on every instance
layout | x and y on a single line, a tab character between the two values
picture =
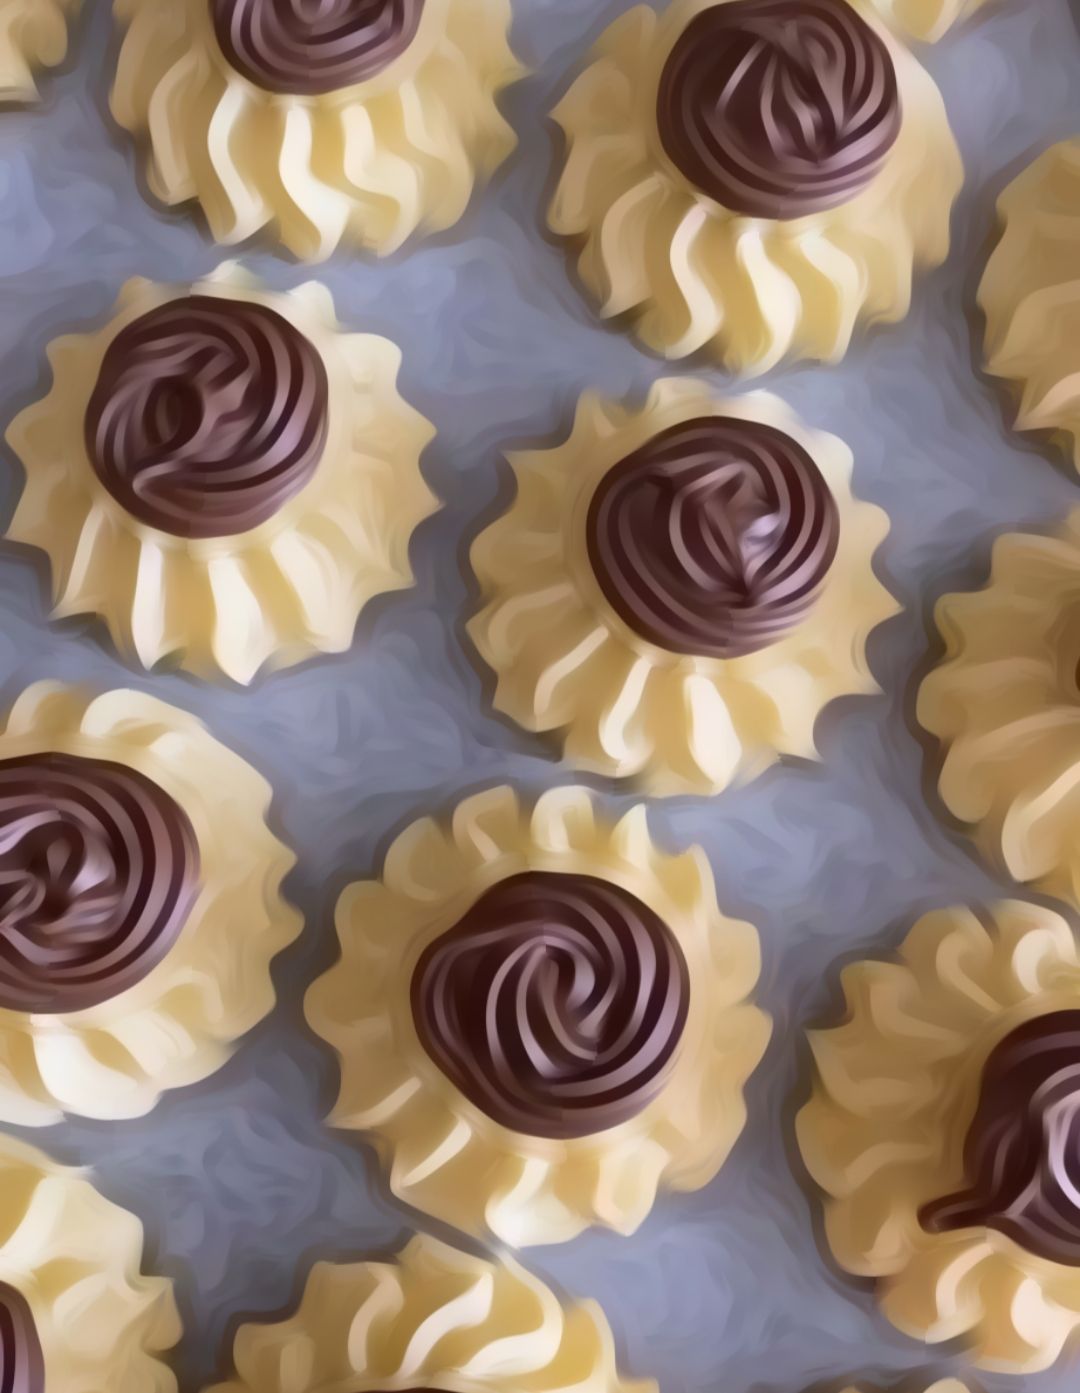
99	868
1022	1153
714	538
208	415
779	108
555	1005
312	47
22	1365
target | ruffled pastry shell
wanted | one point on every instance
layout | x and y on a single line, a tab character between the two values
895	1090
434	1318
367	165
1030	295
566	661
33	35
1005	703
693	275
447	1157
75	1260
926	19
264	598
178	1023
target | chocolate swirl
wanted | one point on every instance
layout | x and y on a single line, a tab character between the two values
311	47
208	415
779	108
555	1005
99	869
714	538
1022	1152
22	1364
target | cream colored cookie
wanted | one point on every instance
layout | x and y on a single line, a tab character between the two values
140	904
1030	295
541	1017
223	475
359	133
33	35
1005	704
941	1129
76	1313
679	589
434	1318
747	226
926	19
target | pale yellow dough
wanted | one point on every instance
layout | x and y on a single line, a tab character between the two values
75	1259
33	35
367	165
926	19
1005	703
178	1024
1030	295
264	598
566	661
750	290
896	1088
444	1155
435	1318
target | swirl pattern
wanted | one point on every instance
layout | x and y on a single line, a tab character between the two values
1022	1153
22	1365
309	49
99	868
779	108
208	415
555	1004
714	538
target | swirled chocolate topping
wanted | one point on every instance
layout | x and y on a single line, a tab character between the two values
22	1365
778	108
1022	1153
714	538
99	868
208	415
554	1005
311	47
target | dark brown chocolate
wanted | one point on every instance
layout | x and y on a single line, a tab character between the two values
297	47
779	108
208	415
714	538
555	1005
22	1364
99	868
1022	1152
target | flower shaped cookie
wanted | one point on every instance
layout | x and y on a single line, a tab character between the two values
680	589
944	1129
223	475
541	1017
76	1313
435	1318
140	904
328	124
754	177
33	34
1005	703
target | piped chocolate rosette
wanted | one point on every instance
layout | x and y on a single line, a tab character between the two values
434	1318
1004	703
344	122
944	1127
139	903
223	475
33	35
76	1311
678	590
754	176
541	1018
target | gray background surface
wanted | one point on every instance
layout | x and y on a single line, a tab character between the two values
238	1182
